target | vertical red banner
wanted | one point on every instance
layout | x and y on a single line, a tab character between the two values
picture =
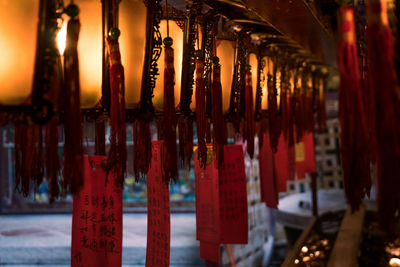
97	218
268	183
233	197
305	156
284	160
158	212
207	199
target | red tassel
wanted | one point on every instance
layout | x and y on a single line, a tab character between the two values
284	106
274	124
22	159
52	158
117	153
249	116
321	108
73	149
385	110
185	129
201	112
261	127
219	130
170	167
354	147
141	148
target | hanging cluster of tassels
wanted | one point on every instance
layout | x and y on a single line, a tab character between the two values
383	109
353	137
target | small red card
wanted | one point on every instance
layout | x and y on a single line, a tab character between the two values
268	183
305	158
284	164
97	218
210	252
207	199
158	212
233	197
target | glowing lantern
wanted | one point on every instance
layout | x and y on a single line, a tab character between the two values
267	70
176	34
17	51
253	61
89	49
226	54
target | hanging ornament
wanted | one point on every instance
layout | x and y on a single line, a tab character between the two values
170	167
201	109
219	130
73	149
384	108
354	147
274	124
249	127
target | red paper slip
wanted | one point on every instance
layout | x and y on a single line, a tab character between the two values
158	213
284	164
207	199
97	218
305	158
269	191
210	252
233	197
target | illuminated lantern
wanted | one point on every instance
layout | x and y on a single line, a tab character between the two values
17	55
226	54
253	61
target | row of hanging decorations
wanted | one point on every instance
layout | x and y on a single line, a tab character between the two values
230	84
369	106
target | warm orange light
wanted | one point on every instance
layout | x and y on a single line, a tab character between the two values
226	54
89	50
253	61
176	34
132	23
268	69
18	27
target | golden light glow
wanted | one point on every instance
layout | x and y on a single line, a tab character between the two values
394	262
132	23
18	27
296	261
62	38
226	54
177	35
253	61
278	88
264	89
304	249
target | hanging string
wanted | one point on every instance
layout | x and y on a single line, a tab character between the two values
166	14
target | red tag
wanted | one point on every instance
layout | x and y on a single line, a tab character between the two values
158	212
268	183
207	199
284	164
97	218
210	252
233	197
305	158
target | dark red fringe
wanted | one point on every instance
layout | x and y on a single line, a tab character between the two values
52	158
73	149
385	113
261	127
117	154
185	130
249	130
142	149
219	126
354	146
170	168
201	113
274	123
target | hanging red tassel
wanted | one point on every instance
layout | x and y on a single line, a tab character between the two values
219	130
141	148
117	153
274	126
261	127
201	112
249	115
185	131
22	159
73	149
170	168
354	147
321	108
385	109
